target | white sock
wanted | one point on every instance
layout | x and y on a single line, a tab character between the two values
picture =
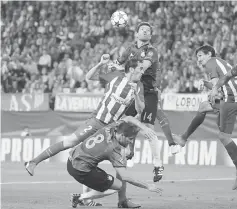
155	148
86	189
95	194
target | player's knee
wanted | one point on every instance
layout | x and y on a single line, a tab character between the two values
70	141
161	117
117	184
225	138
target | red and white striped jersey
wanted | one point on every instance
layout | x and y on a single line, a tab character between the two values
118	96
217	68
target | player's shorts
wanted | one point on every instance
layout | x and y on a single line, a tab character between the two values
88	128
149	113
96	179
228	113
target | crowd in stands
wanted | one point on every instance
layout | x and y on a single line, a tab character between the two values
49	46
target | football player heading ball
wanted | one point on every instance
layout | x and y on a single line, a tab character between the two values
143	50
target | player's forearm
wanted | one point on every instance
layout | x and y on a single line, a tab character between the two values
135	182
93	72
139	104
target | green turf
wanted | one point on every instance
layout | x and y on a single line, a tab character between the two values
190	194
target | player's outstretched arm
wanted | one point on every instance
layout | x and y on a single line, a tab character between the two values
149	133
126	177
93	72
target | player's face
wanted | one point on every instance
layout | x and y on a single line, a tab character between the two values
123	141
137	73
202	58
144	33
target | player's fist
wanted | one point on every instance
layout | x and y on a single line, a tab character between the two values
154	188
201	85
104	58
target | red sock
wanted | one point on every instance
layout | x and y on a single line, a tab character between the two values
196	122
49	152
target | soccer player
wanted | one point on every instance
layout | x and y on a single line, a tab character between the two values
205	107
228	113
143	50
107	143
216	68
119	93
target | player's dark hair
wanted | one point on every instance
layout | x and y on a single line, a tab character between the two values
130	63
144	23
127	129
206	49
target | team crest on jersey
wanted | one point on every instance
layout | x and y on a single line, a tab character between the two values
150	54
143	54
131	55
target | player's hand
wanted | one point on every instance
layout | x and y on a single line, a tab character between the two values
154	188
214	93
104	58
201	85
130	155
149	133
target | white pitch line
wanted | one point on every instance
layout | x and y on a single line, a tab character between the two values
71	182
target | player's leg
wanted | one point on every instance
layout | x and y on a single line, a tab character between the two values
65	142
124	202
204	107
148	117
164	122
165	126
228	113
87	201
97	179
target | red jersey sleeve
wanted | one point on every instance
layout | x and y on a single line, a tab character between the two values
212	69
107	77
124	57
151	55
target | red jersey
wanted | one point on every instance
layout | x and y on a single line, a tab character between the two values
234	72
118	96
101	146
217	68
145	52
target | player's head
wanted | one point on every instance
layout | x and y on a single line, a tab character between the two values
204	53
134	70
125	133
144	31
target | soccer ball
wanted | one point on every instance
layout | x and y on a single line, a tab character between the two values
119	19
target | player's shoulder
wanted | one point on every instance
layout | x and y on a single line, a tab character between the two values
152	48
211	62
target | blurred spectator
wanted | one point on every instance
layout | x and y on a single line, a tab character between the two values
83	88
49	46
190	87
